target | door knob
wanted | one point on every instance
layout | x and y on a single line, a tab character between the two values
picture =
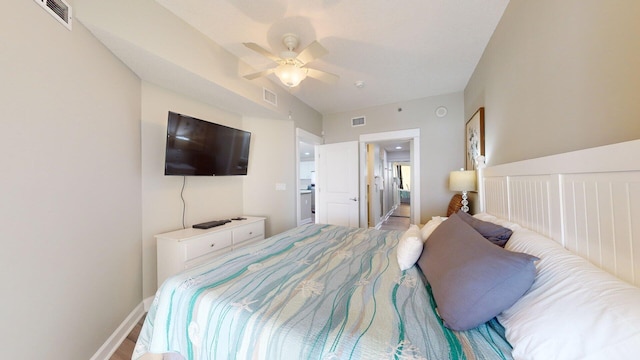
353	199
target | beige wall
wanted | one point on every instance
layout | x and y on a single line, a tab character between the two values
70	207
559	76
272	161
185	71
83	189
206	198
441	140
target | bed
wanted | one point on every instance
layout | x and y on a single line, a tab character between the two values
313	292
330	292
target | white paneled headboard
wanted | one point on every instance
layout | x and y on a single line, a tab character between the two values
587	200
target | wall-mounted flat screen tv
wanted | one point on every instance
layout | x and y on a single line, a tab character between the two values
200	148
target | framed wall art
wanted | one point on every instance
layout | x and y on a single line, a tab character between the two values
474	139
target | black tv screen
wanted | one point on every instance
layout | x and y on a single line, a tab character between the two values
198	147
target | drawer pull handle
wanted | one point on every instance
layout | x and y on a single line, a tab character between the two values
214	244
250	232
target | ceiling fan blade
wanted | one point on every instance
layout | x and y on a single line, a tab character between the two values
262	51
311	52
322	75
259	74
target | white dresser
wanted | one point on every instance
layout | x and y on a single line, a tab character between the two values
181	249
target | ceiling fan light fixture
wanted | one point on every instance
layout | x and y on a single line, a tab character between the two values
290	74
292	66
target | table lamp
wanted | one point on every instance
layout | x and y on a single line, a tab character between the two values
463	180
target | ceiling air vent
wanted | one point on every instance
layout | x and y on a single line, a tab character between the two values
358	121
270	97
59	9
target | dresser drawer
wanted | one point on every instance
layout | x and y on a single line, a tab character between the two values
185	248
248	231
207	244
207	257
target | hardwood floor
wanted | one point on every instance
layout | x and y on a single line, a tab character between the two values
399	219
125	350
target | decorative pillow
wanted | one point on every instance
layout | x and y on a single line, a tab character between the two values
472	280
495	233
573	310
431	225
409	247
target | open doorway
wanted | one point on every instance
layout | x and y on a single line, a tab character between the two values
399	216
358	195
389	183
385	186
306	176
402	177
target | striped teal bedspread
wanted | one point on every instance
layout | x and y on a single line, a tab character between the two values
313	292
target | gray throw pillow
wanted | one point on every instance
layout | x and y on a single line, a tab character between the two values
495	233
472	280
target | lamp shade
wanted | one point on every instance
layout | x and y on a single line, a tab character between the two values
290	74
462	180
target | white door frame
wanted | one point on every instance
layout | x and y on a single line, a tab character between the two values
309	138
410	134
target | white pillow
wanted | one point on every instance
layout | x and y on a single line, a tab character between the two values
498	221
409	247
573	310
431	225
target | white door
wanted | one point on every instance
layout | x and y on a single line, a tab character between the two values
337	184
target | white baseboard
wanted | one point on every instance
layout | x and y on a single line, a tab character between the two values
111	345
386	217
147	303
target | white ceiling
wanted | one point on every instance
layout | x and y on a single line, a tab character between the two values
401	50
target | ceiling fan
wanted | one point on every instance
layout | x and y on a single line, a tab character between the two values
292	67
